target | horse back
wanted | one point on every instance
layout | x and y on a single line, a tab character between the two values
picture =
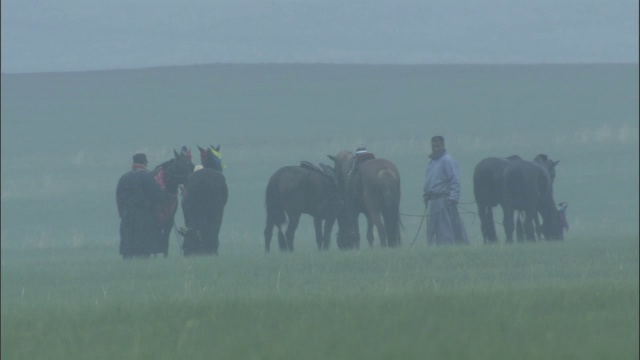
378	178
207	187
299	189
488	180
526	184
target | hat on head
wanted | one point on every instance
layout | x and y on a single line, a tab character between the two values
361	149
140	158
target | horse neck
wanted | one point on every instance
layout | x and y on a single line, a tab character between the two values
171	186
170	182
548	207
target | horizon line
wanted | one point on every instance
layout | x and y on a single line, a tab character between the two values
133	68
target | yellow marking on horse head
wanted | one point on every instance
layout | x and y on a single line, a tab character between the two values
219	156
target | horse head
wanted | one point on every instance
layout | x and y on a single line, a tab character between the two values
211	158
548	164
553	226
342	163
180	167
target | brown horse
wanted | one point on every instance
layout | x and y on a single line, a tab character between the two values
296	190
373	189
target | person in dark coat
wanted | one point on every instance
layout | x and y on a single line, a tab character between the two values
134	209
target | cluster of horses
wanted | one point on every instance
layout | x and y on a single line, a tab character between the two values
332	194
518	185
335	194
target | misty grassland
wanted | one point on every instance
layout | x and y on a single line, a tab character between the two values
526	301
67	138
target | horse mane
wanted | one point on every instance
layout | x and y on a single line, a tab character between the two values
542	157
164	164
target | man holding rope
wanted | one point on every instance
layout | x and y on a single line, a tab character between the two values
441	194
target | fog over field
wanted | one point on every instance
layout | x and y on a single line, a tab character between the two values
68	137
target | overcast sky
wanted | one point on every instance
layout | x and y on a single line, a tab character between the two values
78	35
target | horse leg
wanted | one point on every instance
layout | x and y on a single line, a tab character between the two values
382	232
519	227
538	228
282	241
294	219
268	234
492	237
484	222
369	231
317	224
326	238
528	224
508	224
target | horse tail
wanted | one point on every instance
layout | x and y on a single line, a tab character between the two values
275	207
391	209
392	225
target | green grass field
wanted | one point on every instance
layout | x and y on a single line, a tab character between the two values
576	299
68	137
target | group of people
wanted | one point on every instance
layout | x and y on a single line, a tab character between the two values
441	195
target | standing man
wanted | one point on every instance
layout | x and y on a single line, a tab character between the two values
134	209
441	194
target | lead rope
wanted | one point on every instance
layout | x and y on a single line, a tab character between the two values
424	215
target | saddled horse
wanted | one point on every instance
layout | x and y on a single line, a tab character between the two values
372	188
149	214
204	198
488	191
528	187
296	190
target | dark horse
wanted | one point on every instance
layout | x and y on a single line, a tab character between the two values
150	206
528	187
488	192
204	198
488	189
372	188
296	190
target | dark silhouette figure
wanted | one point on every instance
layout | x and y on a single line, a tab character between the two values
147	202
204	198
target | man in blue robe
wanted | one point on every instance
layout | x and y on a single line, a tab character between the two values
441	195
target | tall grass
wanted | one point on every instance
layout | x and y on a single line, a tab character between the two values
572	300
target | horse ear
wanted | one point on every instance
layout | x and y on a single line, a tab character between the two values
175	153
555	163
201	149
332	157
218	148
